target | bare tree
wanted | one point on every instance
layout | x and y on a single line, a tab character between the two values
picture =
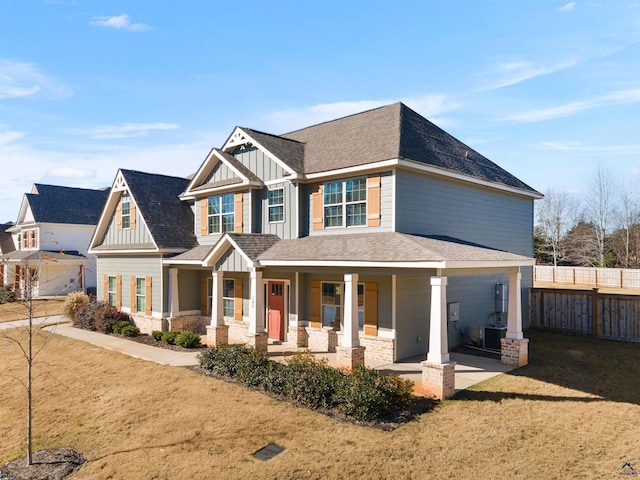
555	215
626	216
599	209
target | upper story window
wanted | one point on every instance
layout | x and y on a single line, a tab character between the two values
276	205
126	213
220	214
345	203
28	239
20	241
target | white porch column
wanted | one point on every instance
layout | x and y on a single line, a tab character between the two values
256	336
514	309
350	336
515	348
174	300
217	312
438	335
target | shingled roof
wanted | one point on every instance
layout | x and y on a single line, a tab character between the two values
6	242
170	221
391	132
66	205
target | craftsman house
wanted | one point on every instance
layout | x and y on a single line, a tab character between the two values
376	235
49	241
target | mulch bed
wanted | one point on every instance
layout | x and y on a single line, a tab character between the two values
149	340
55	464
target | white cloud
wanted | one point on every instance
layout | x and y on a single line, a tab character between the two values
579	147
568	7
288	120
22	79
514	72
71	173
124	130
9	136
620	97
119	22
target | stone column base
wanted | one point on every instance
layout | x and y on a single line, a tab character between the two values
217	335
298	336
348	358
259	341
515	352
439	379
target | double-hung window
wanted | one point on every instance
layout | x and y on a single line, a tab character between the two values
220	213
111	294
141	299
345	203
228	297
126	213
276	205
332	304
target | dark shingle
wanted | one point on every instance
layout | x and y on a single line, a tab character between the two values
170	221
6	242
66	205
287	150
254	244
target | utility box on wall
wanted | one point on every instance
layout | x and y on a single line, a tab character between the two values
501	297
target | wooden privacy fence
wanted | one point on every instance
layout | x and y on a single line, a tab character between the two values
588	276
601	315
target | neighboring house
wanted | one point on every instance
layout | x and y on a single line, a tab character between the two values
50	241
375	235
6	246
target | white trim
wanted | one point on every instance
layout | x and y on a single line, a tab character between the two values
223	244
386	333
239	137
171	261
394	190
409	265
268	183
394	304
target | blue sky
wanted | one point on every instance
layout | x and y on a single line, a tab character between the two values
547	89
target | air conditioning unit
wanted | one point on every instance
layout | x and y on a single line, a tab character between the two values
493	332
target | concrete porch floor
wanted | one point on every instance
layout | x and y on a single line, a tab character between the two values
470	369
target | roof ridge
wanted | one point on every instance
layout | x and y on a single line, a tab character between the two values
154	174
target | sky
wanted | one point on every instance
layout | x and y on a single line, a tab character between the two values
549	90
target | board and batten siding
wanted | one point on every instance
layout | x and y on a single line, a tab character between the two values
127	236
386	210
287	229
232	261
221	172
429	205
148	266
260	164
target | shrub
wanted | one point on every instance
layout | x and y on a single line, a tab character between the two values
85	315
157	335
120	325
311	382
169	337
7	295
130	331
366	394
187	340
106	317
74	300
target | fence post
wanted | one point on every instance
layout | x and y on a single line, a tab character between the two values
621	277
594	313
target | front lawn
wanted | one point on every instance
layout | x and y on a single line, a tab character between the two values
12	311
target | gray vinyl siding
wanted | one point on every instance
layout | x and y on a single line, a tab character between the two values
232	261
189	289
128	266
430	205
260	164
386	210
287	229
127	236
413	305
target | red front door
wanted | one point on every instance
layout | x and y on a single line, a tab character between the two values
275	291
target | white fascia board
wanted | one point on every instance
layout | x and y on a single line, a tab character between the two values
341	172
350	263
170	261
465	178
127	252
222	189
232	143
490	264
223	244
119	185
199	174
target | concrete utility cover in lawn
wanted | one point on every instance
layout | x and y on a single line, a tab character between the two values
268	452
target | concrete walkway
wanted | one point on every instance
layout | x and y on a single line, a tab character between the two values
470	369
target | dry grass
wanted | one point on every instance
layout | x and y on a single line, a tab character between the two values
41	308
572	413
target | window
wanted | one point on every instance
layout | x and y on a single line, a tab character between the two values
345	203
126	213
276	205
331	302
361	306
228	297
20	241
220	213
111	291
141	299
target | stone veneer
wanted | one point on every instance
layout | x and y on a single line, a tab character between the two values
218	335
189	323
297	336
237	330
439	379
148	324
515	352
347	358
259	341
378	348
322	339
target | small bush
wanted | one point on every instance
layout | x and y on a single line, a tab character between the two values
187	340
85	315
106	317
157	335
7	295
169	337
130	331
311	382
74	300
121	325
